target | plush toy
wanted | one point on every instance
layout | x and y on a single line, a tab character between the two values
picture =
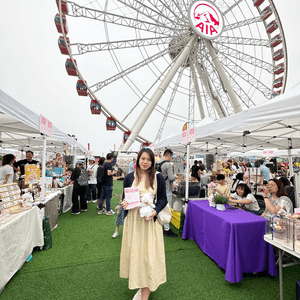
146	205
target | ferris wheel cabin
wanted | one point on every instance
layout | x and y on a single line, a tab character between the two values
278	54
95	107
62	46
276	40
57	23
81	88
258	2
278	82
71	70
64	6
275	94
279	69
266	13
111	123
145	145
272	26
126	136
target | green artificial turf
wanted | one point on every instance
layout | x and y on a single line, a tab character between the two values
83	263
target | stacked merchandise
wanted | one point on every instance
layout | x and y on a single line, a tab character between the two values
11	202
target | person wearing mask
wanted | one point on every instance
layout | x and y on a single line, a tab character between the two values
78	190
6	170
243	196
167	172
142	258
20	165
107	186
92	183
276	199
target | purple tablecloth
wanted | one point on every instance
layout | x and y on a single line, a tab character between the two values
234	239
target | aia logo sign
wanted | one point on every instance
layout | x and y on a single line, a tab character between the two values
206	19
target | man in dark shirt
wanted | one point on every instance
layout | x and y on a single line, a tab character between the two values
201	165
195	170
78	190
21	163
107	186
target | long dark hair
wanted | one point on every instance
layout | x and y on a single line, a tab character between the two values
281	190
101	161
7	159
150	171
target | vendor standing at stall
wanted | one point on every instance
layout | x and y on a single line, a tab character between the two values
20	165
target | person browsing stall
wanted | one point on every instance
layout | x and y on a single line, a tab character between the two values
142	258
276	199
6	170
20	165
167	172
243	196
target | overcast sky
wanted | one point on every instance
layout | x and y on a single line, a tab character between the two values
32	69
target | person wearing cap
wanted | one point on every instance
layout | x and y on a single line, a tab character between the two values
78	190
244	197
92	183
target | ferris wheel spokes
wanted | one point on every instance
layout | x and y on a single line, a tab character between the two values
234	100
158	93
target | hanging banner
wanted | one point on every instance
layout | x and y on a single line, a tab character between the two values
192	135
184	137
45	126
32	174
267	153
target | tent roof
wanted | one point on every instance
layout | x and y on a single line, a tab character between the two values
19	129
268	125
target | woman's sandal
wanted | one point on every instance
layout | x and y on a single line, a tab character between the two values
138	295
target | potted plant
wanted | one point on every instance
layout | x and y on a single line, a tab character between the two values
220	202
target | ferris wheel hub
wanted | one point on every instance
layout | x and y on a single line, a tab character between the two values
206	19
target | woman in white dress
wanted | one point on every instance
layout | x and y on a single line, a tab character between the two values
142	258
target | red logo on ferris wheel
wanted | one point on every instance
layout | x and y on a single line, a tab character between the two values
206	19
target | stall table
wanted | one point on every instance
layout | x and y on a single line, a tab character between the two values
67	198
17	239
234	239
51	208
281	249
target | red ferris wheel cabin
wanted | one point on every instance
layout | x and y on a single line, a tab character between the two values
257	2
64	6
126	136
145	145
62	46
70	67
95	107
57	23
81	88
111	123
272	26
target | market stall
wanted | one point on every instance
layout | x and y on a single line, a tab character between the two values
234	239
18	237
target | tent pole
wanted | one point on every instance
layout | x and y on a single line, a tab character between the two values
187	171
290	162
44	167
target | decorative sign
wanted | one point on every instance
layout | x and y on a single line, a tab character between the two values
184	137
206	19
184	127
45	126
192	134
268	153
32	174
132	196
228	154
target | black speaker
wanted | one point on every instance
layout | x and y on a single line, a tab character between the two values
68	159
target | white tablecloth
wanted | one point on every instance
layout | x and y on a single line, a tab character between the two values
17	239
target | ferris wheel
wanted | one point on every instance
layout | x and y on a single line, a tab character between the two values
149	66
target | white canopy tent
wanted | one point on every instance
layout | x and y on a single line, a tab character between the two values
274	124
19	129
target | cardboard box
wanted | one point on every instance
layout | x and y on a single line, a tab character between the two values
176	218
